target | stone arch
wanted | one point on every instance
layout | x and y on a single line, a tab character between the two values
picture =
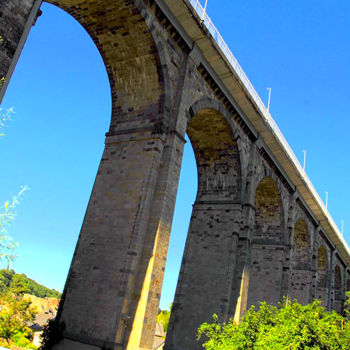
337	278
199	108
124	35
217	154
301	246
268	210
131	47
322	267
267	256
215	224
300	277
338	289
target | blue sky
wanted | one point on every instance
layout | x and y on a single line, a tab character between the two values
60	92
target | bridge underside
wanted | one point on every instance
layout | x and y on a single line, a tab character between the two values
251	238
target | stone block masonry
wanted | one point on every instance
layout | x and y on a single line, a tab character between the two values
251	238
16	19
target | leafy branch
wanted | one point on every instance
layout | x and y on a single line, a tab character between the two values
5	117
7	215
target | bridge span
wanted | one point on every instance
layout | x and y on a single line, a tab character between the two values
258	231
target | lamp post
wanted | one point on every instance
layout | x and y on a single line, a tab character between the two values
268	101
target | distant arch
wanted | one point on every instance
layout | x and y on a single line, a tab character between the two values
337	278
301	259
322	267
338	289
300	276
268	210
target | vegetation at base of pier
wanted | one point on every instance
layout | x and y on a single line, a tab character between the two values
12	282
164	317
288	326
15	314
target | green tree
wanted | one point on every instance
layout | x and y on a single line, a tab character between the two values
289	326
15	314
163	317
20	284
347	305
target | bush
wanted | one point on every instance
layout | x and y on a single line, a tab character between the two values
289	326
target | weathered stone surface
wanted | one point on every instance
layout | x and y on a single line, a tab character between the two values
13	18
251	237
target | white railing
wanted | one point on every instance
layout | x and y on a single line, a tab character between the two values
262	108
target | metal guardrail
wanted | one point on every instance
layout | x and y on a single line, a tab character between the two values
264	112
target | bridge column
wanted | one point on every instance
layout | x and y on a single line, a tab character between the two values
330	281
118	265
17	18
301	273
267	249
323	279
338	289
207	274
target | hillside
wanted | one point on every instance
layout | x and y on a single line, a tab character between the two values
10	281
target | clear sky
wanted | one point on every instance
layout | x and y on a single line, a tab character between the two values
60	92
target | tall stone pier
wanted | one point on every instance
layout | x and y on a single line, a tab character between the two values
257	231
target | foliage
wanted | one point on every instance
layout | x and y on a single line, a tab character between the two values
289	326
346	311
20	283
7	215
5	115
164	316
7	212
22	340
52	334
15	314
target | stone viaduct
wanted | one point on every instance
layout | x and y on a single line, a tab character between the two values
258	230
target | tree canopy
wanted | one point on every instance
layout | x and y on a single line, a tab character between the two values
164	317
12	282
289	326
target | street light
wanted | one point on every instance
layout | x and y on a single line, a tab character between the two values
268	102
